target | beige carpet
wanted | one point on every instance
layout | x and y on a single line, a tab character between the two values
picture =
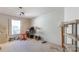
29	45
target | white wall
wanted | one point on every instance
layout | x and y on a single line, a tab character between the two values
5	21
49	23
71	13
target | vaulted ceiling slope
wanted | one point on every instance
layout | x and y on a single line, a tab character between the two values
29	12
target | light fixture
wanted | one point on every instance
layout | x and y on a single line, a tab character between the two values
20	7
21	11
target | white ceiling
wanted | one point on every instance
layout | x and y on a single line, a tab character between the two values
30	12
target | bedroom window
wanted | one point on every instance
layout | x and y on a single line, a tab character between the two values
15	27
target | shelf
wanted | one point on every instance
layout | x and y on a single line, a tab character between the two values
69	47
72	36
71	22
74	25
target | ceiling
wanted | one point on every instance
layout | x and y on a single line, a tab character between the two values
29	12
